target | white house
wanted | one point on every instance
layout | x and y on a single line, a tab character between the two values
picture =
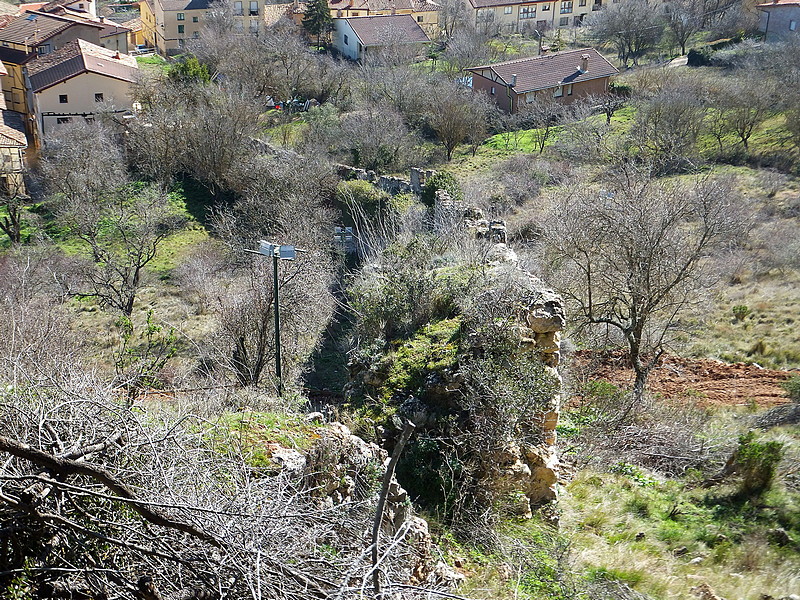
354	36
80	79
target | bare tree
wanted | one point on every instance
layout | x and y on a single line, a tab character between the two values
375	137
668	123
453	15
683	18
120	225
465	48
632	256
14	201
746	104
633	27
456	114
540	116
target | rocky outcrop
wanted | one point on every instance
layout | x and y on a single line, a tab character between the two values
530	471
342	468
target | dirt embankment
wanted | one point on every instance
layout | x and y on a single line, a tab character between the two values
708	381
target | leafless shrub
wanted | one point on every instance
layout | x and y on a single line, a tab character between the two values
102	494
668	438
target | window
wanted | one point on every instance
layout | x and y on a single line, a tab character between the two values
355	14
63	99
180	28
80	6
792	25
508	10
559	92
253	26
98	97
62	120
492	91
253	8
420	19
569	89
195	34
346	40
527	12
546	7
181	16
563	21
42	50
237	8
582	3
197	19
566	7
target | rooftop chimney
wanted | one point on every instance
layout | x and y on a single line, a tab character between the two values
584	63
513	80
116	55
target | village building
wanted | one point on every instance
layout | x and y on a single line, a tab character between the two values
80	80
358	36
779	20
565	76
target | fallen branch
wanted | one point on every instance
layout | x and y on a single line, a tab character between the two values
66	466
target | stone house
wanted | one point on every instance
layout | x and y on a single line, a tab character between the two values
779	19
80	80
357	36
13	143
527	16
565	76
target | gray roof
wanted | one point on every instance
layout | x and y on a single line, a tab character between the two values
35	27
550	70
381	29
180	5
15	57
12	130
76	57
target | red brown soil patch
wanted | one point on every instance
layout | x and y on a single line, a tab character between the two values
708	381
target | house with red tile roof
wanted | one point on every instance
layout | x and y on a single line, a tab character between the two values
779	20
357	36
565	76
80	80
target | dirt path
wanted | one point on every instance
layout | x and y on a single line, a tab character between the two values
709	381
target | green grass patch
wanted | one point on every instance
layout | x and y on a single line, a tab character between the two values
254	435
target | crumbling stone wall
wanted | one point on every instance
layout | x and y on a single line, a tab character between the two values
393	185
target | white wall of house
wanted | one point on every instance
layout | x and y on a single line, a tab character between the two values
780	23
118	42
346	41
77	97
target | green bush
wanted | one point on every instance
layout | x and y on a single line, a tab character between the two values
441	181
740	311
699	58
362	194
792	387
757	463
